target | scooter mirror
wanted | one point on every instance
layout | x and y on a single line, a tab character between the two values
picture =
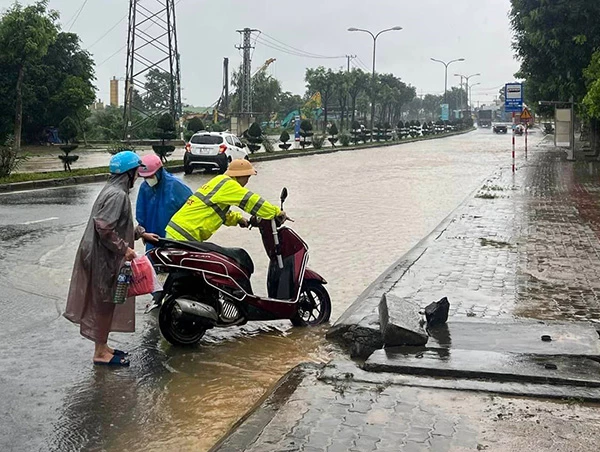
284	195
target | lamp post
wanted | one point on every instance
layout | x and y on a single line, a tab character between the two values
374	36
446	74
471	92
467	87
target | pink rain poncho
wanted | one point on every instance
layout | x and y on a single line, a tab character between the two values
108	234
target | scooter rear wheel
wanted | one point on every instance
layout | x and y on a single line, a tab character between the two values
173	325
314	305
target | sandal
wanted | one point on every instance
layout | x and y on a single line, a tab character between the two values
120	353
114	361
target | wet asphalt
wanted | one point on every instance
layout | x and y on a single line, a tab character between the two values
358	211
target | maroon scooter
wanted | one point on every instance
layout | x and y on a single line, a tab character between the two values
209	286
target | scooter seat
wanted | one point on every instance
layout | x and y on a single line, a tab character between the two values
239	255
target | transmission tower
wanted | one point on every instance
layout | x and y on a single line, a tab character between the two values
151	46
246	81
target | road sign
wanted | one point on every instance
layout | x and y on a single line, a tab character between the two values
513	97
526	116
297	128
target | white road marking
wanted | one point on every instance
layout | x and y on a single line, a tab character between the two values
40	221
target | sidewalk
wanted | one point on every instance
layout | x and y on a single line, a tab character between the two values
518	260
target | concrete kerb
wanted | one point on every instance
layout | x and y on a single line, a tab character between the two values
247	429
356	328
75	180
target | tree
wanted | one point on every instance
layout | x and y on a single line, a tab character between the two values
357	83
158	90
195	124
322	81
166	131
289	102
431	105
342	80
554	42
67	130
25	35
266	93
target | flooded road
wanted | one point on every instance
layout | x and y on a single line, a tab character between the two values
358	211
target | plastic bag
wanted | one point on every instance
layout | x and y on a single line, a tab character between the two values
144	280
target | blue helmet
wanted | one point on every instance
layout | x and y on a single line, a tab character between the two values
124	161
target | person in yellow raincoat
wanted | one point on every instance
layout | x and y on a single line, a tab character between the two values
208	208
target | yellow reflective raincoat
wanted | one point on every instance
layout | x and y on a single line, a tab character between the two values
206	210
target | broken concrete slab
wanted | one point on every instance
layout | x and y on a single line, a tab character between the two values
456	363
364	338
367	303
436	313
400	322
575	339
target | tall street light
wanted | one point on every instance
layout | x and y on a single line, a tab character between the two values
446	74
374	36
471	92
467	87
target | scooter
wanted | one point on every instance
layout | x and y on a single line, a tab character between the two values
209	286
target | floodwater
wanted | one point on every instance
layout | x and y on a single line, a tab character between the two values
358	211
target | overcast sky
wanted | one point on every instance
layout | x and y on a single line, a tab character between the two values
477	30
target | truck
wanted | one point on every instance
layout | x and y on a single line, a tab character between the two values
484	118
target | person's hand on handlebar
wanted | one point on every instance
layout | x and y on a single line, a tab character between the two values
283	217
243	223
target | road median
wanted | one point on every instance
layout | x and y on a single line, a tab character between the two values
34	181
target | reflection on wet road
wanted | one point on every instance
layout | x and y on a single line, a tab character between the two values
358	211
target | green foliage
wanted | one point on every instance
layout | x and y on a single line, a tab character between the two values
166	123
116	147
58	74
25	35
195	124
554	42
67	130
10	160
317	141
591	101
323	81
333	130
284	137
305	126
345	139
268	145
254	130
216	127
158	90
266	94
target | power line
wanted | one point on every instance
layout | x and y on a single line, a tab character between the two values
314	55
73	20
109	30
361	62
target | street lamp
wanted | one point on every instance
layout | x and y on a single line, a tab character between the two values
446	74
471	91
467	86
374	36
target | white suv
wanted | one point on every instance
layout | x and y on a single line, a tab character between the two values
212	150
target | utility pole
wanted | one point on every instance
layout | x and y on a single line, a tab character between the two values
245	87
226	85
350	58
151	46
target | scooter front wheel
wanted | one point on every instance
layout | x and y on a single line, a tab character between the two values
174	325
314	305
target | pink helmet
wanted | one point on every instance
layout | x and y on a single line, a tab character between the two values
152	163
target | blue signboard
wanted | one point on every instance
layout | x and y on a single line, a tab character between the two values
297	128
513	97
445	116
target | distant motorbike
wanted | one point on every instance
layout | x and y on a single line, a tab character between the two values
209	286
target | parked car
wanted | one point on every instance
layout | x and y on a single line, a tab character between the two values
500	128
212	150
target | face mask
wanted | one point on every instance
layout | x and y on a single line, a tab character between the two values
152	181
